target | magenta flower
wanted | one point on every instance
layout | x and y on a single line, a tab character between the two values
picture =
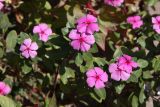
114	3
126	63
4	88
81	41
117	73
28	48
156	24
1	4
87	24
96	77
43	31
135	21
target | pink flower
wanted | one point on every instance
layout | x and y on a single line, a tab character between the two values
28	48
126	63
117	73
114	3
1	4
135	21
96	77
81	41
43	31
4	88
156	24
87	24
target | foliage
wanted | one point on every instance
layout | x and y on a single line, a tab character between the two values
57	75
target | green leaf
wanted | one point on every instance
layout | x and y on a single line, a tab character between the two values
1	52
147	75
65	31
69	73
11	40
133	78
135	101
142	95
4	22
79	59
83	69
6	102
48	5
101	93
51	102
117	53
26	69
138	73
87	56
156	64
152	2
142	63
141	41
100	61
117	34
119	88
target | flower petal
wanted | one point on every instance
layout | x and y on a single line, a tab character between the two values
98	70
75	44
85	47
82	27
22	47
32	54
124	75
104	77
74	35
25	54
34	46
89	39
36	29
116	76
27	42
6	90
91	73
91	81
92	28
99	84
113	67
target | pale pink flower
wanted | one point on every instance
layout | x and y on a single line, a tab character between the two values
1	4
117	73
4	88
115	3
29	48
87	24
43	31
126	63
135	21
81	41
156	24
96	77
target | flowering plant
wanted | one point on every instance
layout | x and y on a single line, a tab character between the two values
80	53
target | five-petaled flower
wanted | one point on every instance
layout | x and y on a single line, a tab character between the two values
122	69
29	48
135	21
43	31
4	88
126	63
81	41
117	73
156	24
87	24
114	3
96	77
